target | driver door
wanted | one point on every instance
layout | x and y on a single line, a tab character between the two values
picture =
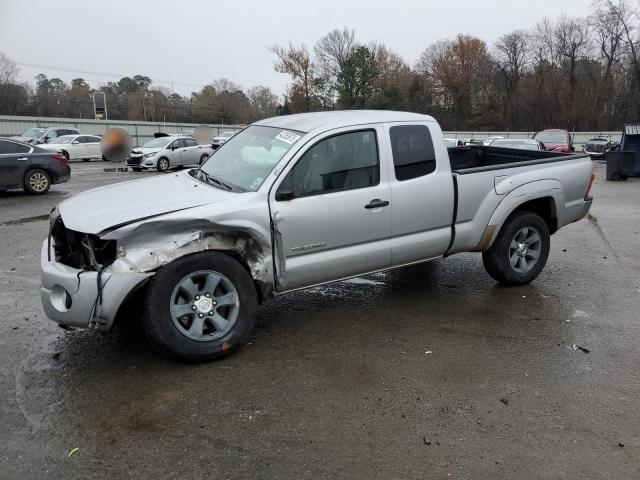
331	211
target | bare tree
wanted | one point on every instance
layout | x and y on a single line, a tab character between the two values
424	65
512	59
8	70
296	61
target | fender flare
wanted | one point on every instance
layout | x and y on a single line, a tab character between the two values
548	188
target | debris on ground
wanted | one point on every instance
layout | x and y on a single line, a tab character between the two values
55	356
426	442
72	451
504	400
576	347
620	444
428	352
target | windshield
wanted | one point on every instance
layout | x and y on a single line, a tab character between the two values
247	158
551	137
34	132
65	139
158	142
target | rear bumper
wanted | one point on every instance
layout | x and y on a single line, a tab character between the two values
585	207
61	174
69	296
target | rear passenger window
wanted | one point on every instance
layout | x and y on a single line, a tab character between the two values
10	147
343	162
190	142
413	154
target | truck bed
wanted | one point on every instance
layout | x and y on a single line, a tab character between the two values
478	158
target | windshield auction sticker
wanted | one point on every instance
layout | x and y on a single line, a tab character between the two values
287	137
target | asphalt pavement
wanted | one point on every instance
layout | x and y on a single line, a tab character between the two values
429	372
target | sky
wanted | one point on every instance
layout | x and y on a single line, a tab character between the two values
186	44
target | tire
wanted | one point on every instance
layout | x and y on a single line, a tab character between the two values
37	182
163	164
516	243
203	159
66	155
170	321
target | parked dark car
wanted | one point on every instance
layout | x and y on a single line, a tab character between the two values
597	147
30	168
555	140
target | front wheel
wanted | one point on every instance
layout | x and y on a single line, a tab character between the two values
163	164
200	307
520	250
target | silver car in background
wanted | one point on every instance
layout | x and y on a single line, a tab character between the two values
168	152
523	144
221	138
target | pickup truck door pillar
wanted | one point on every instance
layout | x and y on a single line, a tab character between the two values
330	209
423	199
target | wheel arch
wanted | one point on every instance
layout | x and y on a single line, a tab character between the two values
541	197
153	245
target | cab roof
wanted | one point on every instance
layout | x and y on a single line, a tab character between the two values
307	122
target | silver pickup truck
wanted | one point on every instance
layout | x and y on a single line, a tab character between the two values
293	202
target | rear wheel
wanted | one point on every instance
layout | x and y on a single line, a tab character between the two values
37	182
163	164
520	250
200	307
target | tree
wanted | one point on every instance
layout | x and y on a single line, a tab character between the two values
356	80
512	60
296	61
263	102
332	52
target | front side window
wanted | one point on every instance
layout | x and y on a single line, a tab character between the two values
413	153
342	162
177	144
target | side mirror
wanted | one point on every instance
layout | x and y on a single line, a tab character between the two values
45	139
284	195
75	142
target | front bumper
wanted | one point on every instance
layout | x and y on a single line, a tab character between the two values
69	296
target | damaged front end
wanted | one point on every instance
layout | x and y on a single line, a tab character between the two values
86	277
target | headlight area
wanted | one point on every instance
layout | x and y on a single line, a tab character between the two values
81	250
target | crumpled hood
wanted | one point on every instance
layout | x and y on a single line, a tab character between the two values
144	151
96	210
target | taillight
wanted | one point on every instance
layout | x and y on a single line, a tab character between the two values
591	180
60	158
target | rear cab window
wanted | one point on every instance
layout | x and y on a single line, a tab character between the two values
413	152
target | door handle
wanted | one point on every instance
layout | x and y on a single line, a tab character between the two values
377	203
22	159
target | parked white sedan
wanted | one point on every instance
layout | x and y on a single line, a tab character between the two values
74	147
